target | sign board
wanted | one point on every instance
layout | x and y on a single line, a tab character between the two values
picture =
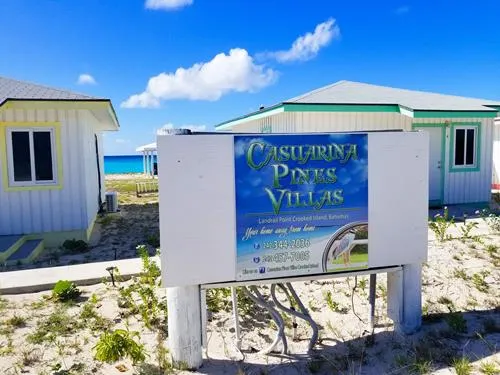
262	206
301	201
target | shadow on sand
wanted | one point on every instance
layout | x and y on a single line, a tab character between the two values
442	339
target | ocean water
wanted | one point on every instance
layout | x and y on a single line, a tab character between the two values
124	164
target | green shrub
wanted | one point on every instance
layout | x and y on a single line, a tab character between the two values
75	246
117	345
153	240
65	290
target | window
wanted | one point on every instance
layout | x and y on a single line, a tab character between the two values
465	146
31	156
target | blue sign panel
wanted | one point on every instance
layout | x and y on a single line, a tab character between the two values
301	204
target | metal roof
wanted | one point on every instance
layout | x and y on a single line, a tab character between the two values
148	147
14	89
347	92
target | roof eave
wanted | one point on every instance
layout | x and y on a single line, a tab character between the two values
11	102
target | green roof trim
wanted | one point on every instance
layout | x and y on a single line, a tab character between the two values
455	114
251	116
489	112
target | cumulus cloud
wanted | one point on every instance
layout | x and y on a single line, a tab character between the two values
210	80
307	46
165	128
86	79
167	4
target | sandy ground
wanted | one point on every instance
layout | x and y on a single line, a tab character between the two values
461	303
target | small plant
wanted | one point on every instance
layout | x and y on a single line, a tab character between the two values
462	366
440	224
334	305
363	284
119	344
162	355
421	366
312	306
457	322
106	220
382	291
460	274
489	368
447	302
75	246
30	356
3	304
466	230
92	319
492	250
65	290
58	324
142	295
153	240
478	279
16	321
472	303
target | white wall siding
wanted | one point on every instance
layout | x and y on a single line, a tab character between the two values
300	122
459	187
48	210
468	187
89	159
496	153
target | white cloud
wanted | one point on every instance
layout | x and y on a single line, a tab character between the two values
167	4
121	140
170	126
210	80
402	9
86	79
307	46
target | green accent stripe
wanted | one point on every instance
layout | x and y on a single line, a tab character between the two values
359	107
454	114
299	107
250	117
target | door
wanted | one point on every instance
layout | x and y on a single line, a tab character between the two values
436	165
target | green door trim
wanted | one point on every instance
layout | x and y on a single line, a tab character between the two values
417	125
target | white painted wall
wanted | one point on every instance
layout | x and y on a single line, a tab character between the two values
466	187
67	209
196	249
496	154
91	128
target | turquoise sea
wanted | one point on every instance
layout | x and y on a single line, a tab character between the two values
123	164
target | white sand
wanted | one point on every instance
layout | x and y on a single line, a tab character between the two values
346	345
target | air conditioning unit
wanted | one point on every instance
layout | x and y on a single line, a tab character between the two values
111	201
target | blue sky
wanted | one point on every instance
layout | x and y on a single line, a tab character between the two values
237	55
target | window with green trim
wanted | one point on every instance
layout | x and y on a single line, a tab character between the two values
465	146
